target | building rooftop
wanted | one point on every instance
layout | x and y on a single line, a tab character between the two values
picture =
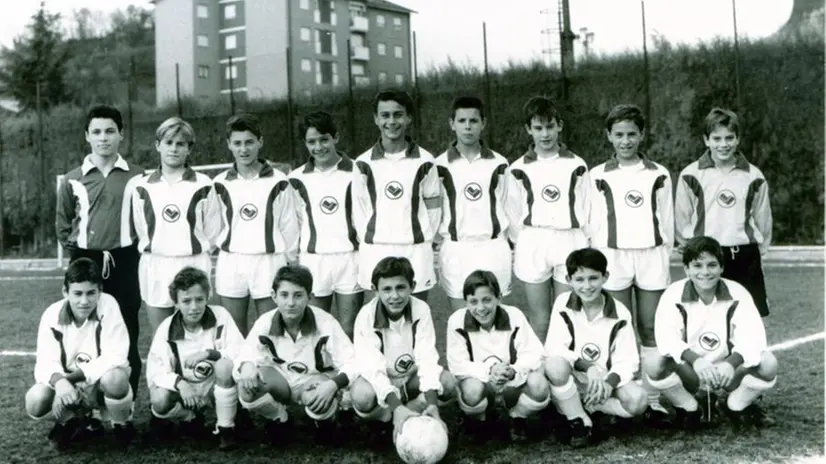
388	6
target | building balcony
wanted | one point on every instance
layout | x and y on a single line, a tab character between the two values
360	53
359	24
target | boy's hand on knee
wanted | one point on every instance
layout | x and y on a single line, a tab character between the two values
705	371
400	415
189	398
195	358
66	395
248	379
725	374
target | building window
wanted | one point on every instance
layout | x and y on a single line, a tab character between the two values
229	11
230	42
203	72
231	72
380	20
357	69
397	22
202	11
381	49
326	73
203	40
305	34
325	42
399	79
325	12
306	65
397	50
304	4
382	77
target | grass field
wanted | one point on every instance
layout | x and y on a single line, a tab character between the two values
797	403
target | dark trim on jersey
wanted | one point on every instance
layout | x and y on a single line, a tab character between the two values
270	345
696	188
265	171
370	183
729	317
200	195
412	150
754	186
307	325
98	332
501	321
453	153
382	320
176	325
609	309
450	191
612	338
308	210
380	336
495	178
226	199
415	328
269	218
418	235
740	162
522	177
148	215
530	156
318	353
570	324
58	336
66	317
352	234
173	346
157	175
512	346
658	184
468	345
684	316
613	163
690	294
611	214
343	164
578	172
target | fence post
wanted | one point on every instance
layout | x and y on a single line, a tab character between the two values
231	88
290	128
130	96
647	71
489	115
351	118
41	154
178	89
417	118
736	57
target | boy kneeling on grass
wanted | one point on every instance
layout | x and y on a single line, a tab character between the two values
591	351
190	362
82	361
711	337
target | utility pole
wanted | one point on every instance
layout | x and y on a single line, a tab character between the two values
566	38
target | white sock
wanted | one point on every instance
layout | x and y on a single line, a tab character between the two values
526	406
567	401
267	407
749	389
226	405
376	414
119	410
612	406
673	389
177	414
647	352
475	412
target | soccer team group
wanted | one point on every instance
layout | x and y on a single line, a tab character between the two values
604	332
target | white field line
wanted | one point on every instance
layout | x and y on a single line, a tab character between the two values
782	346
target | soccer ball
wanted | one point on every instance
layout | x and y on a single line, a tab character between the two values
421	440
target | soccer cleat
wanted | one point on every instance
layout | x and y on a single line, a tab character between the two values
195	428
124	433
688	420
755	415
580	434
518	429
656	418
277	432
327	432
93	429
61	435
160	430
226	438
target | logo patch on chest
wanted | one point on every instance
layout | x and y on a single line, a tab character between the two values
590	352
473	191
404	363
248	212
297	367
726	198
709	341
203	370
634	199
171	213
550	193
82	358
328	205
393	190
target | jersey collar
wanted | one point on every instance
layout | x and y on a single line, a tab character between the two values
613	163
690	294
411	152
344	164
501	321
382	320
176	326
306	326
531	156
266	170
453	153
66	316
609	310
188	175
740	162
88	166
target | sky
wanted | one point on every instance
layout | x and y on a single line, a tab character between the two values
453	28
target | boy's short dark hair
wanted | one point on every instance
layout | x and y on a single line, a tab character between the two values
244	122
468	102
104	112
586	258
399	96
625	112
478	279
321	121
82	270
540	107
187	278
696	246
393	266
294	274
719	117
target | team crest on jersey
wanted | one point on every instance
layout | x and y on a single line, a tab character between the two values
709	341
393	190
726	198
590	352
248	212
404	363
82	358
297	367
202	371
473	191
634	199
171	213
328	205
550	193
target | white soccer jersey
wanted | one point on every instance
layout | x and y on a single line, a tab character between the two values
171	219
321	346
390	195
730	324
324	204
552	192
473	195
173	344
608	341
388	349
472	350
633	207
255	215
100	344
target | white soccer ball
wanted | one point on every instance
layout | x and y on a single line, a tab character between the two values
422	440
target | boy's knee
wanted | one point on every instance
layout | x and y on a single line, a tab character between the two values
223	372
537	387
115	383
162	400
362	395
557	370
634	399
39	401
655	367
473	391
449	384
768	366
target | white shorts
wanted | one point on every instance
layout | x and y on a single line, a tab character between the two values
541	253
156	272
457	260
300	382
332	272
238	275
647	268
420	256
581	381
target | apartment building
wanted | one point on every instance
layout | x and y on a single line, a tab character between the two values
205	48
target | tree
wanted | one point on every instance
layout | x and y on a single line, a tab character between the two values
38	55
